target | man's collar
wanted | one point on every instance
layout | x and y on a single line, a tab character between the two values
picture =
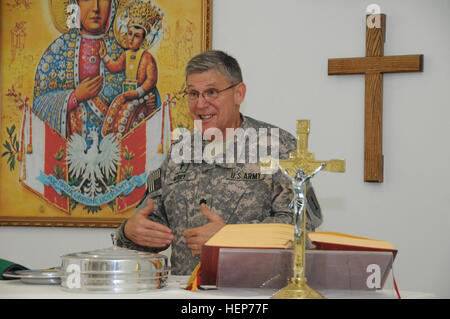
244	123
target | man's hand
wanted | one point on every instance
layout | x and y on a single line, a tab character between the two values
89	88
196	237
144	232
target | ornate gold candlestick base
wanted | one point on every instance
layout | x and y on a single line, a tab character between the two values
298	290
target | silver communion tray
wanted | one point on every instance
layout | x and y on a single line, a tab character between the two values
114	270
39	276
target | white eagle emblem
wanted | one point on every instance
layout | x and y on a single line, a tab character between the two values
94	166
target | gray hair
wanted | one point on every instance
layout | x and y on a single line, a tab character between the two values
218	60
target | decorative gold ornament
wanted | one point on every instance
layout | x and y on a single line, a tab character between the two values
306	160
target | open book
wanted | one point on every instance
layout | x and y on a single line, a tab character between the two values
276	236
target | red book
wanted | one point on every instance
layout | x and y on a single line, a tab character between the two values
276	236
262	236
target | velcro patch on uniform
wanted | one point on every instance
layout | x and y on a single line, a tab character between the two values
244	176
188	176
154	180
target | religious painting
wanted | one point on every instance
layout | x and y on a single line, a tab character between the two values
91	91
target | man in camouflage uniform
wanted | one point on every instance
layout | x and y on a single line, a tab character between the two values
188	201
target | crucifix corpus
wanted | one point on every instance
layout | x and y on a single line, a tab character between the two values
373	66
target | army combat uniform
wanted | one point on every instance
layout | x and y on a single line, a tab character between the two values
238	192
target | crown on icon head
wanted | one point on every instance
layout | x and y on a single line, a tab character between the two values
146	15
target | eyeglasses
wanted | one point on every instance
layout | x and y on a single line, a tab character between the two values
208	95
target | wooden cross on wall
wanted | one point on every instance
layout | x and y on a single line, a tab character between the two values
373	66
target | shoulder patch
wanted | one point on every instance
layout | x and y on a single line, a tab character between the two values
154	180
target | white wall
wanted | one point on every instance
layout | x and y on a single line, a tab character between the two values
283	47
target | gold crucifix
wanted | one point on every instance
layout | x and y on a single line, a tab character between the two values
305	160
302	160
373	66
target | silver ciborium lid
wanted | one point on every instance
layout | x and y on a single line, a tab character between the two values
114	269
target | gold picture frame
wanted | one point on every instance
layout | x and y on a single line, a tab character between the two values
31	32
